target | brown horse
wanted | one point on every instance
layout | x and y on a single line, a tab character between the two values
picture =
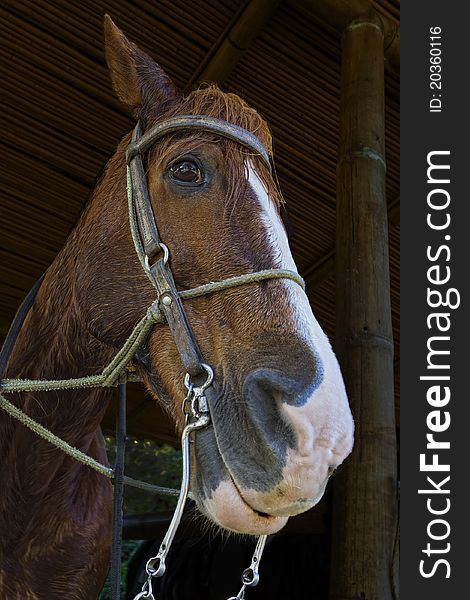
280	416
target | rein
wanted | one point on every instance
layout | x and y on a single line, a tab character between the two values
168	307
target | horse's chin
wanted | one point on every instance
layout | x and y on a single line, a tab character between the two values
227	508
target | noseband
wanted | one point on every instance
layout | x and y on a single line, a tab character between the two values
154	257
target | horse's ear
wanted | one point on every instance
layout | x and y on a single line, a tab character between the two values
139	81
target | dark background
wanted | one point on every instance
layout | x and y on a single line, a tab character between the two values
421	133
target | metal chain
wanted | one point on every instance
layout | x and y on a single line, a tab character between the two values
197	416
250	576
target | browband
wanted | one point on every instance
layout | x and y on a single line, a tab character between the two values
203	123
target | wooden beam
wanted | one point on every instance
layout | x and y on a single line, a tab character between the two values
234	42
320	271
339	13
365	492
325	267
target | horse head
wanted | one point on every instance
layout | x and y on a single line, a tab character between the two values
280	420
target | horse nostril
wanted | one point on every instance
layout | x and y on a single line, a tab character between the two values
271	385
264	390
263	386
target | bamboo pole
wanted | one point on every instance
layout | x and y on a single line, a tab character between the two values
338	13
365	502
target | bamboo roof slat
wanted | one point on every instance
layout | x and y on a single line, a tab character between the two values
61	121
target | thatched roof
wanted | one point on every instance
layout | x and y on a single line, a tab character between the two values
61	121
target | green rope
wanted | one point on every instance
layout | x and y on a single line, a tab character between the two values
225	284
47	435
135	340
134	227
75	453
110	375
150	487
133	220
111	372
41	385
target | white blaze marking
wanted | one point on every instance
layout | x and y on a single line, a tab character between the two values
297	300
270	217
329	415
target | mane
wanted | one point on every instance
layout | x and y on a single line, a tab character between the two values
213	102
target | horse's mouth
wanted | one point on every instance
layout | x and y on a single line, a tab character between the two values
218	496
214	488
228	509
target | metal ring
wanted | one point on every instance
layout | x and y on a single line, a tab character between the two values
206	384
250	577
145	596
166	256
155	572
166	252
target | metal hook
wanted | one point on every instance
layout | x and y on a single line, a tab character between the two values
144	595
147	591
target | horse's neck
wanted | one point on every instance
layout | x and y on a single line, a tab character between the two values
56	340
54	343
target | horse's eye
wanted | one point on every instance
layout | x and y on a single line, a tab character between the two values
186	171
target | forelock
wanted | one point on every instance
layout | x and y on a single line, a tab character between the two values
212	102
